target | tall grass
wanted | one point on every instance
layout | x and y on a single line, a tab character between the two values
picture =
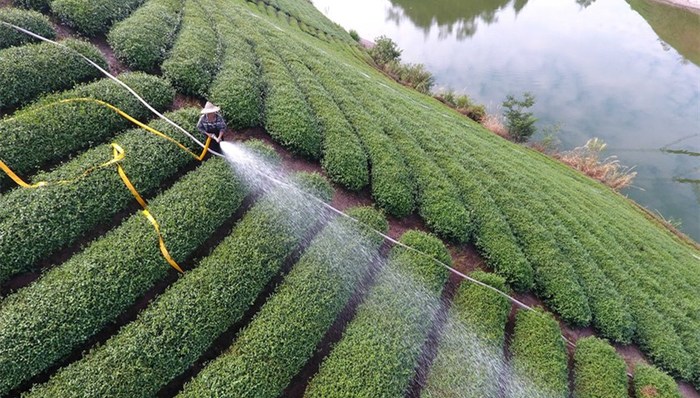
609	171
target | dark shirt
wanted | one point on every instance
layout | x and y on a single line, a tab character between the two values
211	127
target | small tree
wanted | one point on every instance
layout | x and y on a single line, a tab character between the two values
385	51
520	122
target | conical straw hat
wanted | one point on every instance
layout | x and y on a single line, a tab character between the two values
209	108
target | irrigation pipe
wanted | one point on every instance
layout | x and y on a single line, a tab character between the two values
112	77
277	181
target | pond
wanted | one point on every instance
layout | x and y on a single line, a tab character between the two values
625	71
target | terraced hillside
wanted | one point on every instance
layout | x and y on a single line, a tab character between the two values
283	299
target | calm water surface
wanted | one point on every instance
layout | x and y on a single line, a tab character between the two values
625	71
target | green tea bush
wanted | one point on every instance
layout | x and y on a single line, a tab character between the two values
439	202
392	186
261	149
287	115
539	355
143	40
315	184
38	5
476	322
599	371
284	334
195	58
38	222
78	298
34	69
30	20
380	347
650	382
93	17
151	351
48	131
237	88
344	159
493	236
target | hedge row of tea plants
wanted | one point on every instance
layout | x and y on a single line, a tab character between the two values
27	19
650	382
471	344
32	69
609	312
379	350
177	328
392	186
285	332
287	114
654	332
599	372
540	362
439	202
38	5
50	131
93	17
344	159
143	40
492	233
38	222
307	14
237	88
46	321
195	58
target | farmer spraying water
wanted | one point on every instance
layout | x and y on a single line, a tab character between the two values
212	124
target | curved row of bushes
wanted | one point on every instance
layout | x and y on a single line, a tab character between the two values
179	326
287	115
492	233
285	332
610	313
653	331
475	325
344	159
46	321
237	88
31	70
379	350
540	362
60	214
392	186
307	14
143	40
27	19
439	202
195	58
49	131
599	372
93	17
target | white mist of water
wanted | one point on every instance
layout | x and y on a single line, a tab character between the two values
482	370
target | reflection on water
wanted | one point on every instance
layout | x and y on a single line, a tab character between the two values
596	67
676	28
455	18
